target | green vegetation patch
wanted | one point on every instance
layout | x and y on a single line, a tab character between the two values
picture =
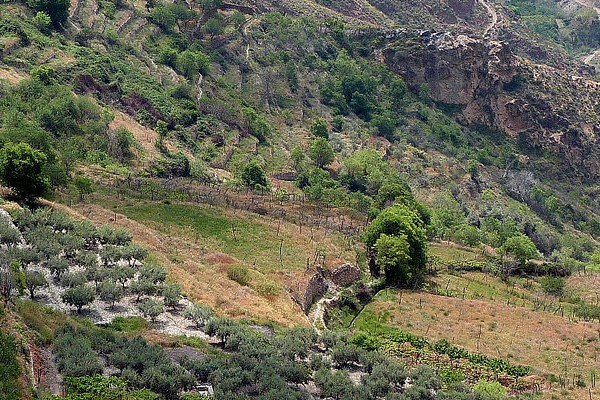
10	389
239	238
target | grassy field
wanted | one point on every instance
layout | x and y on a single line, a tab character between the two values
550	344
200	245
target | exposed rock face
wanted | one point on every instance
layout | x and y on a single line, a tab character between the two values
463	8
345	275
459	70
547	108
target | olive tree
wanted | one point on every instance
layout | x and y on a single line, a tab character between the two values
34	280
171	293
110	292
199	314
79	296
151	309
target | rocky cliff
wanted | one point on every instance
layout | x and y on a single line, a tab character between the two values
546	108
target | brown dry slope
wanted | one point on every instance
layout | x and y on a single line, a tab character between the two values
550	344
199	272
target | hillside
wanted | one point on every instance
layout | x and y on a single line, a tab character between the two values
310	199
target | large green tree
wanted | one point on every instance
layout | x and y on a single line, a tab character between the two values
397	237
22	168
520	247
321	152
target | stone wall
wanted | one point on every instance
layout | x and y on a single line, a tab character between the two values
345	275
315	288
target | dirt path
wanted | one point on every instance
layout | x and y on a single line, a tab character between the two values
493	17
588	59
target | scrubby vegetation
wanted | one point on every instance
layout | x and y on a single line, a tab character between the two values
136	108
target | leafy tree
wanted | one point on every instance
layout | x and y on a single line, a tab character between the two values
385	125
392	256
116	237
9	236
168	56
338	123
554	286
253	175
199	314
34	280
71	279
520	247
151	309
79	296
110	292
447	215
297	156
319	128
214	26
83	185
57	266
191	63
22	169
96	274
85	259
321	152
134	253
71	244
143	287
58	10
42	21
467	235
490	390
403	223
164	17
366	171
171	293
7	281
122	274
153	273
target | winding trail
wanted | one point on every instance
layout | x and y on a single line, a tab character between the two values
493	16
318	320
588	59
590	4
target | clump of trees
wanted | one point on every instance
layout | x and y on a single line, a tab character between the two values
397	241
86	263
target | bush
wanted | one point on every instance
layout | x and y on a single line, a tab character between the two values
319	128
58	10
490	390
553	285
253	175
239	274
74	353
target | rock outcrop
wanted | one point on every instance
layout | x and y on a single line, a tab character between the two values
546	108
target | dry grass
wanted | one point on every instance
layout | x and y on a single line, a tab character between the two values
144	136
200	264
11	75
549	344
585	286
